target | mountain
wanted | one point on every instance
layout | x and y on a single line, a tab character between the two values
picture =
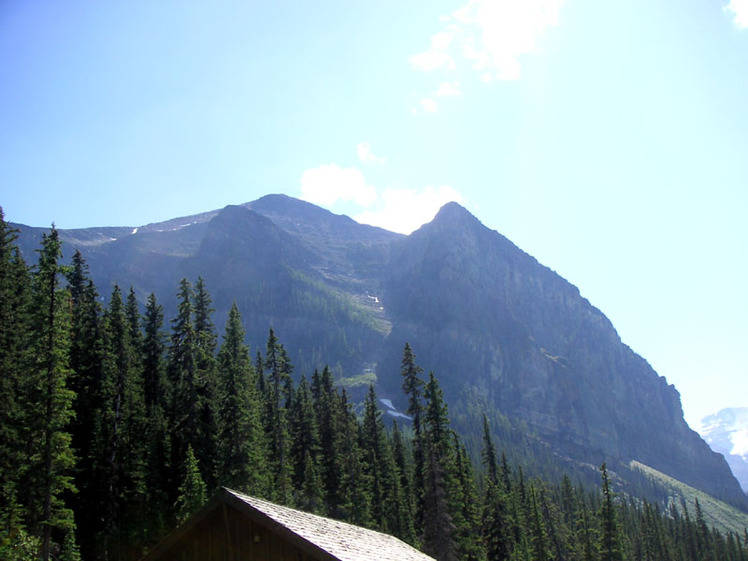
727	433
504	334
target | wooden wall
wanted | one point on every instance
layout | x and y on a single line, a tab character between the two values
226	535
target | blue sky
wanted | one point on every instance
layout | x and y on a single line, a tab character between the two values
608	140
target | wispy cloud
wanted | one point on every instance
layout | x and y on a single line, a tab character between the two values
397	210
490	35
436	57
405	210
739	9
329	183
366	155
429	105
448	89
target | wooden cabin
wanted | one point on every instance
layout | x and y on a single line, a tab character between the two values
234	527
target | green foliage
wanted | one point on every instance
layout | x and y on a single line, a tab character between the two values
192	492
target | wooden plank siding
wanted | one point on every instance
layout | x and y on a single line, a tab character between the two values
226	535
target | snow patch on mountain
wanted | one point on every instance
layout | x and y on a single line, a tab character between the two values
392	410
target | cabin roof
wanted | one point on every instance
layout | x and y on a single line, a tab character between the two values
324	537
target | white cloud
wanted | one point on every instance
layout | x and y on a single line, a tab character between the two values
739	9
366	155
436	56
405	210
491	35
448	89
429	105
329	183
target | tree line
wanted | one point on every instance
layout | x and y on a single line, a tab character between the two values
115	427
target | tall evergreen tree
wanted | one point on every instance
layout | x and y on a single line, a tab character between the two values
413	388
121	425
439	531
205	363
277	398
404	467
50	400
14	362
327	416
153	350
304	449
610	539
355	505
240	450
193	491
183	416
156	393
465	505
388	505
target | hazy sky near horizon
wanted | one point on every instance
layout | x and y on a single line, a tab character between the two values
608	140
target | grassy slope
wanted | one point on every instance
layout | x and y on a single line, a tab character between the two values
716	513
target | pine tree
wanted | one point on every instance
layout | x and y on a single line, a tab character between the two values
156	394
326	413
389	508
304	448
439	531
277	397
404	467
413	388
610	539
14	342
537	531
240	450
153	350
192	492
355	499
183	415
465	505
205	363
49	399
120	427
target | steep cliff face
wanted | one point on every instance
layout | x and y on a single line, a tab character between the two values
502	332
498	324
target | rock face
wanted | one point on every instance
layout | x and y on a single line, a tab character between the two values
501	331
727	433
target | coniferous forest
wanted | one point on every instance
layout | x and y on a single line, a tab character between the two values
118	419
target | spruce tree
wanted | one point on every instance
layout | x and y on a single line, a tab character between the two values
240	450
193	492
439	535
404	466
389	508
355	498
610	538
304	448
15	541
277	397
156	394
120	427
413	388
49	400
205	371
324	397
465	505
154	359
183	415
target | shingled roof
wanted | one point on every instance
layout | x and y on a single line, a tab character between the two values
323	538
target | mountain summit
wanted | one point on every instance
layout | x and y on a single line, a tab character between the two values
504	334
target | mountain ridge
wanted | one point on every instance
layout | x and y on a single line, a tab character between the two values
504	333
